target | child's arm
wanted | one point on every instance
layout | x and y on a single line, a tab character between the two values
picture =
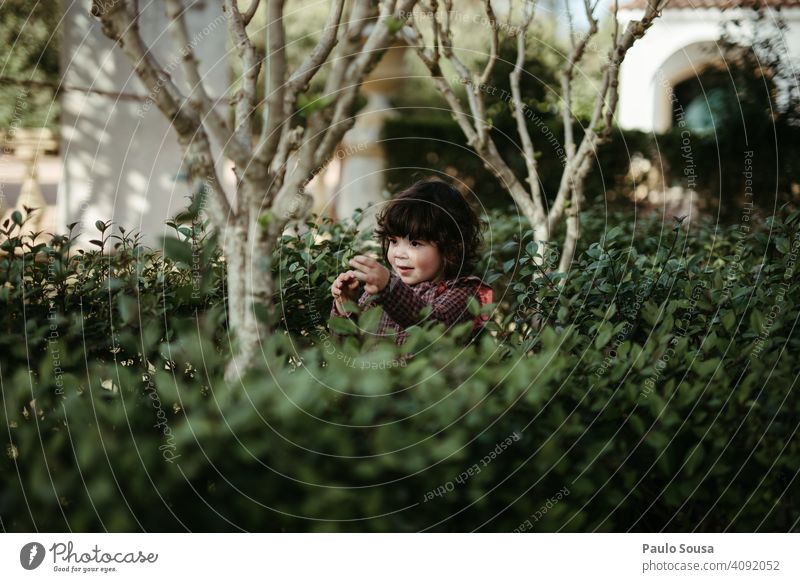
404	306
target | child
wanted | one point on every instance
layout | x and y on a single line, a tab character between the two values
430	237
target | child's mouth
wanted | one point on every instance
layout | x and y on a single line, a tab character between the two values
404	270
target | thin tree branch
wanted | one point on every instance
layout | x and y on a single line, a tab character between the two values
494	42
431	60
276	63
474	96
375	45
486	148
198	96
251	12
605	103
574	58
120	23
519	113
251	65
298	83
58	87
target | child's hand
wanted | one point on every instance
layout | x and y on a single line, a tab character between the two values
345	288
374	275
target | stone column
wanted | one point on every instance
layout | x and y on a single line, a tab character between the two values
362	180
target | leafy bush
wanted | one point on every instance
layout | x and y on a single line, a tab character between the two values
650	388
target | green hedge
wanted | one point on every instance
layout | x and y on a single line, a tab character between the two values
653	390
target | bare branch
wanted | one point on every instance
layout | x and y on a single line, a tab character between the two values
379	39
614	82
487	70
568	179
120	23
519	113
251	65
574	58
474	96
431	59
605	104
482	124
633	32
492	159
251	12
299	81
198	96
276	59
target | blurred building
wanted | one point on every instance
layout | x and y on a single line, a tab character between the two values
665	69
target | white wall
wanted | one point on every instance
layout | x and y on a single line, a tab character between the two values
121	159
675	48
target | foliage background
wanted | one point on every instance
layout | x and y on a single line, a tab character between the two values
656	386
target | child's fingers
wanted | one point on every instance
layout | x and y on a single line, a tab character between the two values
363	261
359	270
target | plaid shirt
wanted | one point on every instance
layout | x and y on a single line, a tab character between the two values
402	303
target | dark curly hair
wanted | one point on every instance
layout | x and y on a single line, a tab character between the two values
434	211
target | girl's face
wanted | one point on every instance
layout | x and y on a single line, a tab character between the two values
415	261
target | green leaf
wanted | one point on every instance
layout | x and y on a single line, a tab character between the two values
637	424
16	217
708	367
613	233
473	306
394	25
177	250
342	325
265	219
694	458
369	319
650	312
549	338
310	104
602	338
729	321
756	321
128	308
658	440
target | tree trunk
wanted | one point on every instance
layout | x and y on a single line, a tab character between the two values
573	230
251	309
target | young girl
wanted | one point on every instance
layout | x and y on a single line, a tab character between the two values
430	237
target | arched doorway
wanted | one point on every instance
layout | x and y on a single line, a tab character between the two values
680	83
